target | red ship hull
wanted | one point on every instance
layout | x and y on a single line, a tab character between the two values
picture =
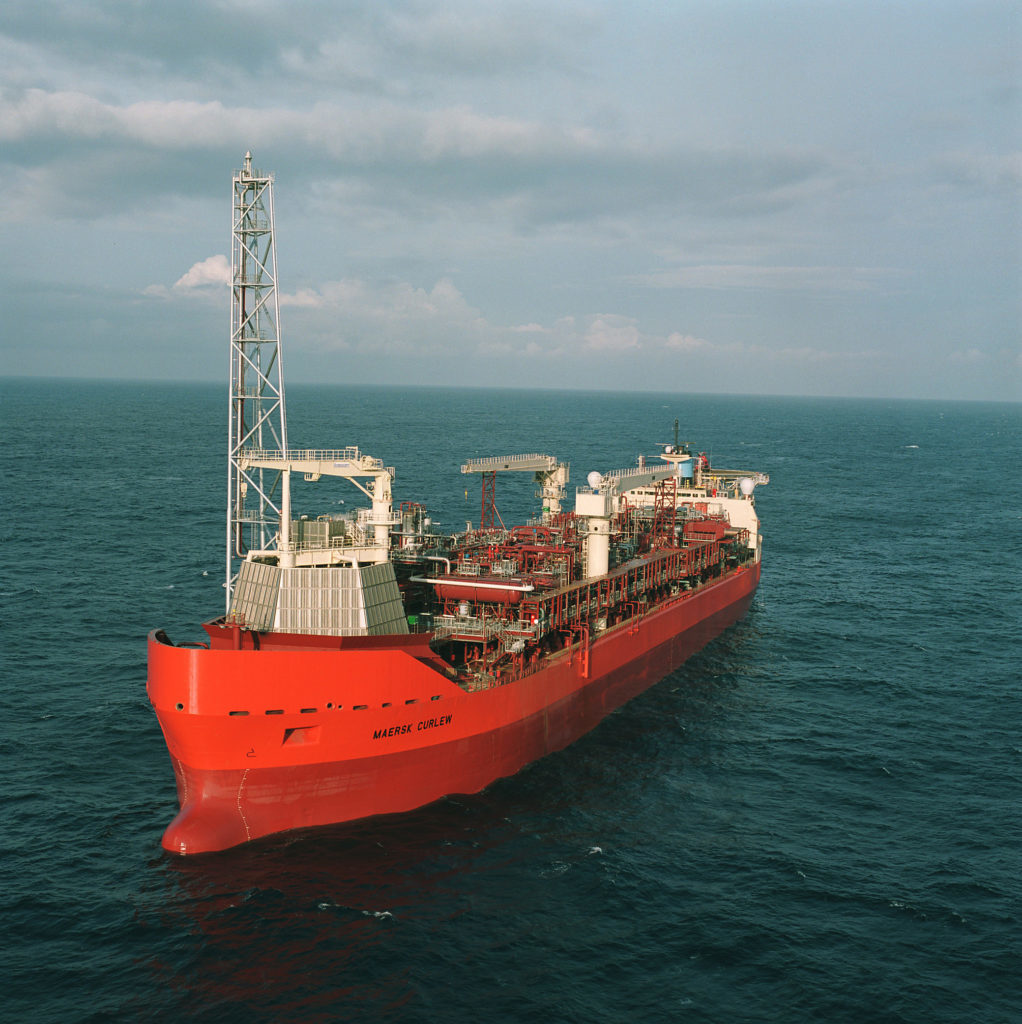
301	734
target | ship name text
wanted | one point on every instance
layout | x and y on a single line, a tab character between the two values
400	730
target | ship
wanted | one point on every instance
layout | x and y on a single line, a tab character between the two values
369	663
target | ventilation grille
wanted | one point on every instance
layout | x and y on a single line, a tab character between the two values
254	601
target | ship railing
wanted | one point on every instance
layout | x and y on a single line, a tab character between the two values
498	462
522	629
351	454
443	626
350	544
737	474
475	538
367	517
467	627
617	474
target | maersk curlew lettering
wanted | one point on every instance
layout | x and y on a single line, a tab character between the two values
394	730
432	723
400	730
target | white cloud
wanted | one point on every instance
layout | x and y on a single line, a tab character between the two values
394	317
35	113
384	318
307	298
608	333
379	129
685	342
397	302
214	270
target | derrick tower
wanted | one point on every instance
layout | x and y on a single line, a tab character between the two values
258	426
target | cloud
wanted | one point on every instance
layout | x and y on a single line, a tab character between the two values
533	171
986	171
35	114
203	279
460	40
385	318
307	298
607	333
812	278
967	357
685	342
214	270
534	179
361	44
396	317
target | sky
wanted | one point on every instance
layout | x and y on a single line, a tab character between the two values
737	196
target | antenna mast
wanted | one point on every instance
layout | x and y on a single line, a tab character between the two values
255	496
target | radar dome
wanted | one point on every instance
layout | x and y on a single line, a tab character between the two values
747	484
594	480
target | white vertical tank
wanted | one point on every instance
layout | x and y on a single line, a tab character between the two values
594	507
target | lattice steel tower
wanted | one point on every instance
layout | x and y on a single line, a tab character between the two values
257	420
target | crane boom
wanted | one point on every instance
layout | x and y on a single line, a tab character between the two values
549	473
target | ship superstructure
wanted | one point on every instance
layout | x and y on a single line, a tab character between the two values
368	663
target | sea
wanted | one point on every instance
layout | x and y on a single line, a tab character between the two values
817	818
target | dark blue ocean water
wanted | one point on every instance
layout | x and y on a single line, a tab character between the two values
816	819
